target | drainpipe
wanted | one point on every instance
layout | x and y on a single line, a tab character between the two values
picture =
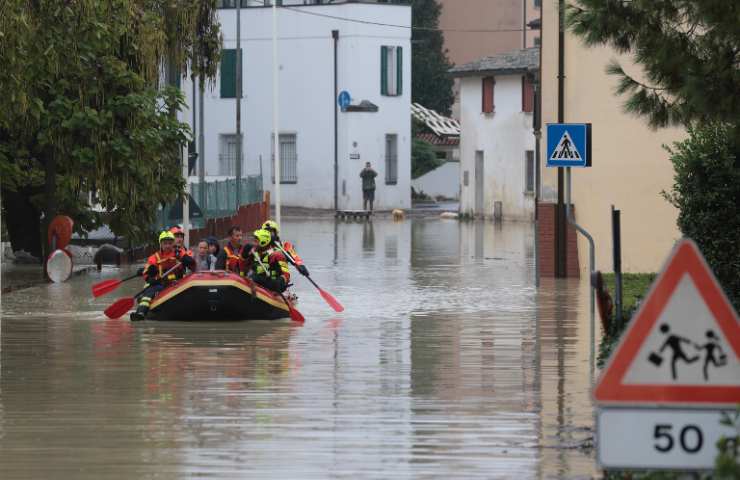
335	36
202	153
561	245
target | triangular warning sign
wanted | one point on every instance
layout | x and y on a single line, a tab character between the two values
683	346
566	149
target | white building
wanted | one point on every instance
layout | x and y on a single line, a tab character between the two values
443	135
373	66
496	137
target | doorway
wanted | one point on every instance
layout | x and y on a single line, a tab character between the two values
479	175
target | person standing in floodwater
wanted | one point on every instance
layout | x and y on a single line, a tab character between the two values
368	186
674	343
710	347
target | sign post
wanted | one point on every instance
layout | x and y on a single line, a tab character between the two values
673	374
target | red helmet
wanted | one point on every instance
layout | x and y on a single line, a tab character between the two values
176	230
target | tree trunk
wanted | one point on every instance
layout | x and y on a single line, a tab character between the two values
23	221
50	193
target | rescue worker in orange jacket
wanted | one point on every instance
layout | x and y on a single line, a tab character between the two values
180	241
158	272
269	264
234	256
286	247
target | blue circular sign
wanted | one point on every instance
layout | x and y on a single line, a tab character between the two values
344	99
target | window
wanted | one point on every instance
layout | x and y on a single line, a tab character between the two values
391	159
391	71
487	90
537	3
288	158
527	94
227	152
537	41
529	171
228	73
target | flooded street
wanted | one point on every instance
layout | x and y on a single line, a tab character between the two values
447	363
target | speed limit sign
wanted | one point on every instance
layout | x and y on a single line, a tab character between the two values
674	374
645	438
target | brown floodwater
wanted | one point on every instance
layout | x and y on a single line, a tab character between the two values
447	363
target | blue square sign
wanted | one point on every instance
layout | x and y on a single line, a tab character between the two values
568	144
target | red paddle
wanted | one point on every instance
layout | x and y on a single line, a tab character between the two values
328	297
333	302
295	315
107	286
123	305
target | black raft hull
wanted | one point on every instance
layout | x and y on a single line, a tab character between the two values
217	296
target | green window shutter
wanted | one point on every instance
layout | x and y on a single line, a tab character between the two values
228	73
384	70
399	70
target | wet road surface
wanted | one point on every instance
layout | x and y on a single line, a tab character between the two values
447	363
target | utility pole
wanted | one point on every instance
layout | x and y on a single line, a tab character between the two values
275	107
238	106
561	246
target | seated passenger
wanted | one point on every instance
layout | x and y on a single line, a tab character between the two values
285	247
213	247
157	266
234	255
205	261
269	264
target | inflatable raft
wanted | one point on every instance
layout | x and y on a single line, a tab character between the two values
217	296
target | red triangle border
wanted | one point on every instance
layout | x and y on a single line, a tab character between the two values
685	258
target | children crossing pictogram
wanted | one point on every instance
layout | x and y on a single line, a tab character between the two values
683	346
565	149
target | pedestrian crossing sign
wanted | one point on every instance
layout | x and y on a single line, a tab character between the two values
568	144
683	345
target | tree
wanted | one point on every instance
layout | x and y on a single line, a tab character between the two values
706	191
431	82
689	50
85	113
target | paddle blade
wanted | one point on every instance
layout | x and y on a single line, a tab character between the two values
105	287
119	308
333	302
296	316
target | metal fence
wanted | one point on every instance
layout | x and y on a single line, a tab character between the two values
219	200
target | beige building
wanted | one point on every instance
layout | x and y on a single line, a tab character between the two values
630	167
474	29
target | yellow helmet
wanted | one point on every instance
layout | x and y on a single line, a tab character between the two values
166	236
263	237
271	225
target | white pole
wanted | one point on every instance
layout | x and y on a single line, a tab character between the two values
186	200
275	104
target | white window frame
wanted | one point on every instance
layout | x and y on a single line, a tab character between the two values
288	157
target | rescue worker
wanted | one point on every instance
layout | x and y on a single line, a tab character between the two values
157	265
233	257
180	240
269	264
285	247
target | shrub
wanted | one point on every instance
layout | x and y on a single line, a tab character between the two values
706	191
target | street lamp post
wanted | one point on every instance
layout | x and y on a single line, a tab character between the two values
275	113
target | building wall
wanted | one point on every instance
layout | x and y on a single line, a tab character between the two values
307	100
630	167
440	181
484	17
504	136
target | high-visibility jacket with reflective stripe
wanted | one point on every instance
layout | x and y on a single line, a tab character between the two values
275	262
162	262
235	261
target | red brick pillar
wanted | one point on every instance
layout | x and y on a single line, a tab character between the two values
547	215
